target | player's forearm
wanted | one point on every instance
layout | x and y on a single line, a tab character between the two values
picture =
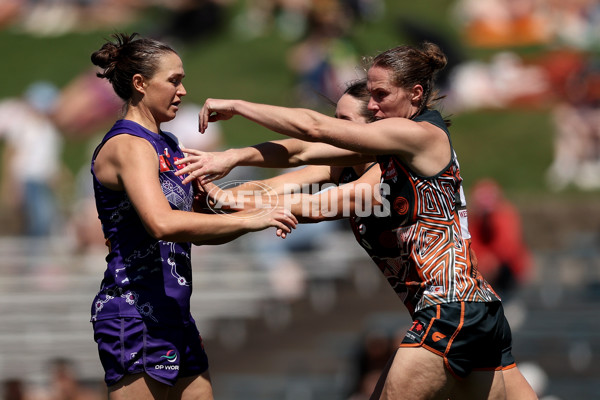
307	208
181	226
334	202
318	207
274	154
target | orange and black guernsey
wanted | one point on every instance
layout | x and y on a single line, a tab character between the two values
435	263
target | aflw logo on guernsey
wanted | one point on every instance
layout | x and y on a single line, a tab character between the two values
328	200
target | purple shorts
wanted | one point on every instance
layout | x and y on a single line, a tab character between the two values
165	352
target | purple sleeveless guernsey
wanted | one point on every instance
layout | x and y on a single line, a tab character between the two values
145	277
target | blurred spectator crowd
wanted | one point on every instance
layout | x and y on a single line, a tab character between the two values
559	71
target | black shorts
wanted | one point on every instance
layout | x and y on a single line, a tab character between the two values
468	335
129	346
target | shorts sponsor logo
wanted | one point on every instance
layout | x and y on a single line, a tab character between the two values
416	330
437	336
171	356
167	367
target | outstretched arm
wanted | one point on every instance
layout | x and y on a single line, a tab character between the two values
308	125
422	145
305	176
337	202
333	202
274	154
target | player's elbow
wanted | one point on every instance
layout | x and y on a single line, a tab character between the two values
159	233
160	229
297	160
311	129
315	133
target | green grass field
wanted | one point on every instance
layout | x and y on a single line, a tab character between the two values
514	147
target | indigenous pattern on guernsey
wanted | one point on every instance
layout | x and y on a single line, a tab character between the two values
378	237
145	277
436	261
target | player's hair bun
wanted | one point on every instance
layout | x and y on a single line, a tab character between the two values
108	56
437	59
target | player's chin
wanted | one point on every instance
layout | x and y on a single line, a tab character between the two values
171	113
